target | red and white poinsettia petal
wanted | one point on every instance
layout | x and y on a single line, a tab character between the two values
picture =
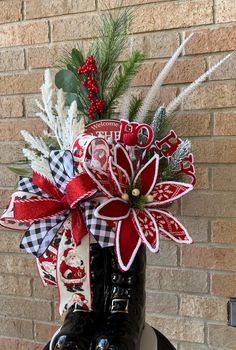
121	157
169	191
113	209
127	243
119	176
147	176
147	229
170	227
101	178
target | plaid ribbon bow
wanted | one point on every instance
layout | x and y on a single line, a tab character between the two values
50	204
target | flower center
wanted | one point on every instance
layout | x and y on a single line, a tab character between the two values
135	199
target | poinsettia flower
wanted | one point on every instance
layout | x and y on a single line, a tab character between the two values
134	199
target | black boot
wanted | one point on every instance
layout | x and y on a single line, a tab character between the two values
125	305
79	327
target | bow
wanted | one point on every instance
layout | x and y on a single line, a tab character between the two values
53	203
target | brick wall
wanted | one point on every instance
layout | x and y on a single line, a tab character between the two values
187	288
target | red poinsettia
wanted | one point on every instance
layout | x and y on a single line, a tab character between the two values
134	201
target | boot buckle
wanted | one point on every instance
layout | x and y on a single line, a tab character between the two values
120	305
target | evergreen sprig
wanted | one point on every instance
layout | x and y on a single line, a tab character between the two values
135	105
111	42
122	80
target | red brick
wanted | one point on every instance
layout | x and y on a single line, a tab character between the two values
10	131
209	258
173	279
80	27
24	34
10	241
16	328
226	71
183	71
197	228
20	264
223	231
225	124
10	11
221	336
15	285
154	45
183	14
16	344
162	303
166	257
11	107
179	329
225	11
202	174
212	40
45	56
4	197
10	153
223	179
104	4
223	284
25	308
192	124
192	346
209	204
212	96
214	150
7	177
20	83
47	8
12	60
44	331
203	307
41	292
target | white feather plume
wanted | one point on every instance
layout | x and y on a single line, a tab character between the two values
173	105
150	98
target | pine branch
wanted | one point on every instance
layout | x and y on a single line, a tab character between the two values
112	38
158	121
134	107
123	79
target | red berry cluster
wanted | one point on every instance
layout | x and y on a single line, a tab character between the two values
91	84
96	105
89	66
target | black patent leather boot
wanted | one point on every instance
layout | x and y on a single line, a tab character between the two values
125	306
79	327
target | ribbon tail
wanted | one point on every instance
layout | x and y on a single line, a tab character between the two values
73	273
40	234
100	229
79	229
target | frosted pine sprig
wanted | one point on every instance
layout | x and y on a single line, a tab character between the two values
38	163
173	166
186	92
36	143
61	120
158	120
150	98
